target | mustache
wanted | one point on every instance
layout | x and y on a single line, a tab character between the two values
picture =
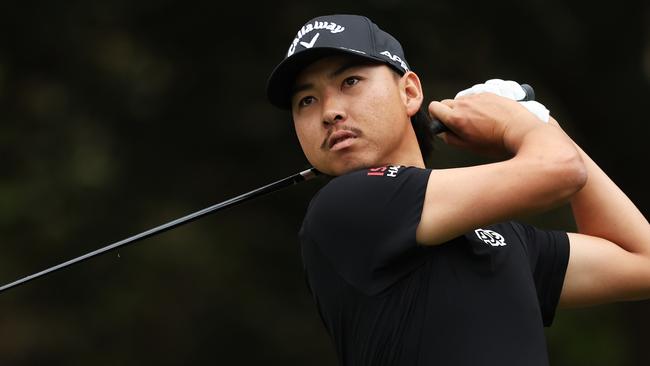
354	130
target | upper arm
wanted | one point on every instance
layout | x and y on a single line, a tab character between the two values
600	271
462	199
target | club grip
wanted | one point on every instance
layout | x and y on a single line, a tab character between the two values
436	127
530	93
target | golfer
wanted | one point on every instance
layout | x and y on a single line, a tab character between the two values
413	266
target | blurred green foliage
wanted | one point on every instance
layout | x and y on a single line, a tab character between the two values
117	116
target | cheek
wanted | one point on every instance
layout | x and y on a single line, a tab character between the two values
384	110
308	137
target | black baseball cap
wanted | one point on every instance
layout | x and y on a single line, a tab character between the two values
327	35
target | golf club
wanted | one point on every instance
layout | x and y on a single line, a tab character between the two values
435	127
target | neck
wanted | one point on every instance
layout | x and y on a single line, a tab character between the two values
408	153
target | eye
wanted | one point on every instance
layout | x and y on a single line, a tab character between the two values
352	80
305	101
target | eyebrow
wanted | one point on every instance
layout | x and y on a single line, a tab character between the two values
332	75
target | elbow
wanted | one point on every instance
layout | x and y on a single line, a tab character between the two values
578	173
571	172
561	175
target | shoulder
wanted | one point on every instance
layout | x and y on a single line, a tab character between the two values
369	183
368	192
384	176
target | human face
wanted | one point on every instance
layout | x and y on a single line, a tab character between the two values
350	115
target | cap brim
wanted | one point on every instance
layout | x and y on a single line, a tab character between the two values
280	83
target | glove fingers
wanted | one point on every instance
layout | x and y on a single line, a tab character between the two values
508	89
505	88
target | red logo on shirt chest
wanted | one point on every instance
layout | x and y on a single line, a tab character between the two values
388	171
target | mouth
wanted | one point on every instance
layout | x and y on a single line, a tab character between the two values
341	139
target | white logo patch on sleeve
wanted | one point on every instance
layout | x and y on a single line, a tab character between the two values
491	237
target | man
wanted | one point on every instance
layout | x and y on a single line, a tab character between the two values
413	266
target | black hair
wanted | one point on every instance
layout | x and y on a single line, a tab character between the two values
421	123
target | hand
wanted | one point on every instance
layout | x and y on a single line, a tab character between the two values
485	123
511	90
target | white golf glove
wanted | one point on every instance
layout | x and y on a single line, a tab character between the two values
508	89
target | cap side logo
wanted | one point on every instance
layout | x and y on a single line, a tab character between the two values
396	59
330	26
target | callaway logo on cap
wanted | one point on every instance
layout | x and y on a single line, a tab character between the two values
327	35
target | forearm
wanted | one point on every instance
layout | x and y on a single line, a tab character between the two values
601	209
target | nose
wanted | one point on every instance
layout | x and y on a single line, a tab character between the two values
333	111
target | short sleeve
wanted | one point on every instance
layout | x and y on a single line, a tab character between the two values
548	255
364	223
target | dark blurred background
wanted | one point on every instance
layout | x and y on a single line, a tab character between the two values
117	116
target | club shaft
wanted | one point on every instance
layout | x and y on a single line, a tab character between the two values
272	187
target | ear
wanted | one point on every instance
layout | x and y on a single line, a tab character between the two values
411	90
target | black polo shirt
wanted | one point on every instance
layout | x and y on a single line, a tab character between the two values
480	299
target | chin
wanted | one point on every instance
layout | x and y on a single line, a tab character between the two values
343	167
